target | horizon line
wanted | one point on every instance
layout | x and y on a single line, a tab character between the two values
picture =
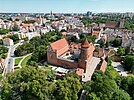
68	12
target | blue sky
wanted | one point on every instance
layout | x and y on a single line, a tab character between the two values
71	6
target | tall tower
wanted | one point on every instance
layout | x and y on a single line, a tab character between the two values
84	50
41	21
51	13
89	14
86	54
121	25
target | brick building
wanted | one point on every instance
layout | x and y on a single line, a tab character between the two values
62	54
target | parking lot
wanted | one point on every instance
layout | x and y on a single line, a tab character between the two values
119	68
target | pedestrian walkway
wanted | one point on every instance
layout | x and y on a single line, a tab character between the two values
90	69
19	65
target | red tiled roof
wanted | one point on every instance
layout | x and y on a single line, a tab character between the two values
112	24
85	44
58	45
8	39
79	71
26	25
103	66
95	33
99	53
64	33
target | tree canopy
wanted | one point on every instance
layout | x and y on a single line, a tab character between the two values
24	49
121	51
14	37
129	61
103	88
127	84
3	51
27	84
67	89
117	43
15	28
32	83
4	31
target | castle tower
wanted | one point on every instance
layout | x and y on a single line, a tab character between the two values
86	54
84	50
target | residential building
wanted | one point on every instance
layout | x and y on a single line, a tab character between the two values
8	42
126	42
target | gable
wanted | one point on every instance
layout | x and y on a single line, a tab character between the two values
60	44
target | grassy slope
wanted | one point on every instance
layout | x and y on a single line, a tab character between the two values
24	62
17	60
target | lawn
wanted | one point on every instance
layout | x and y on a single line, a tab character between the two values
24	62
17	60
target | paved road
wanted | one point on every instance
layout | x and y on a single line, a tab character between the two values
9	61
10	65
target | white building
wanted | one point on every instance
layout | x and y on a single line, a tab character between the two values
8	42
126	42
30	35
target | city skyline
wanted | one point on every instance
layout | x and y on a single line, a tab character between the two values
65	6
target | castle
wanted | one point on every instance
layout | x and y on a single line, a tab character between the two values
69	56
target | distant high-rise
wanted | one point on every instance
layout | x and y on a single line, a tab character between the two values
51	13
89	14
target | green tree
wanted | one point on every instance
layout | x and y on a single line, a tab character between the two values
4	55
101	87
108	60
24	49
127	84
121	95
91	38
102	43
121	51
27	84
14	37
107	44
29	22
4	31
132	69
67	89
129	61
1	42
15	27
17	19
127	50
96	49
92	96
117	43
73	74
3	49
39	54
